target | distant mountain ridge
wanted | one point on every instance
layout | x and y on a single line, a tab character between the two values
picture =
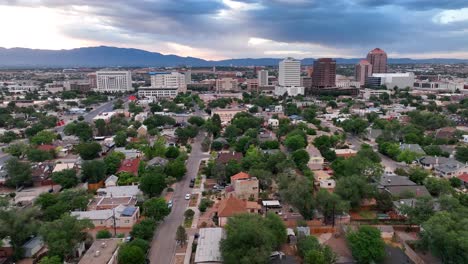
104	56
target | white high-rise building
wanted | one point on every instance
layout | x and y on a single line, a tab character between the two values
169	80
289	72
188	77
262	76
113	81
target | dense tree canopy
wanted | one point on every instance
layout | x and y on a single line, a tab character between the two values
366	245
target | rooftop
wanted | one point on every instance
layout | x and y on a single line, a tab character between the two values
208	245
240	176
395	180
101	251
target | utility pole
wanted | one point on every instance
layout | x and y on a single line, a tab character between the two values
115	226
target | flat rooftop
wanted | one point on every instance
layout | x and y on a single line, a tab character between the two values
101	251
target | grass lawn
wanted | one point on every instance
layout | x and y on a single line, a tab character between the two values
188	222
367	214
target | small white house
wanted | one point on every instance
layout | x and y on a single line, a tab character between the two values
273	122
327	184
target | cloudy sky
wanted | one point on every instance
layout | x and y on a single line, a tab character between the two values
220	29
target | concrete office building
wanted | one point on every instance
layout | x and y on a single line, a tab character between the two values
362	71
289	72
401	80
262	76
378	59
324	74
113	81
227	84
169	80
289	78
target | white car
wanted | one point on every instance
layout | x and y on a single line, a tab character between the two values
169	204
187	196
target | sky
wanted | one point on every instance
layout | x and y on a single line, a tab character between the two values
222	29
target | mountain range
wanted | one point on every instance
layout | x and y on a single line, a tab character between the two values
104	56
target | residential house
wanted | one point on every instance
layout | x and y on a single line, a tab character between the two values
119	191
398	185
208	246
273	122
125	216
246	188
345	153
140	117
157	161
142	131
232	206
321	175
63	166
130	166
226	115
328	184
111	181
446	133
413	148
316	159
129	153
33	246
450	169
102	251
428	162
225	157
464	179
102	203
41	173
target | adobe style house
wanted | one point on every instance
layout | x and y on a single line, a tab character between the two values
232	206
245	187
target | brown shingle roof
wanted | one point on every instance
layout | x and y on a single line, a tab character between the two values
226	157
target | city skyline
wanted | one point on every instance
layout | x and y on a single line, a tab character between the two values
222	29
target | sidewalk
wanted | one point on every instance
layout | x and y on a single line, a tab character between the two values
191	232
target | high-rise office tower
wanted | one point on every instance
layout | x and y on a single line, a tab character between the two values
362	70
324	74
262	76
378	59
113	81
289	72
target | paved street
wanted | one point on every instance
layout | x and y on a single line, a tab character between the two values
163	245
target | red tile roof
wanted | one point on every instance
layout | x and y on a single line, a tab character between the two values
46	147
240	176
130	165
463	177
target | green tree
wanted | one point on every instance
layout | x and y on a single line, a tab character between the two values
19	173
330	203
277	227
455	182
156	208
444	234
248	241
421	211
66	178
172	152
152	184
299	194
437	186
300	157
196	120
62	235
131	255
19	225
144	229
181	235
355	125
175	168
102	234
37	155
417	175
120	139
8	137
353	189
295	142
366	245
138	242
113	161
80	129
101	127
17	149
93	171
313	253
43	137
384	201
89	151
51	260
462	154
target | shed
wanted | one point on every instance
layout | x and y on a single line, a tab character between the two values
32	246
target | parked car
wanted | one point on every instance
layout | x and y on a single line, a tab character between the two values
187	196
169	204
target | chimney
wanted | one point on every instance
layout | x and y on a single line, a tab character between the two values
97	253
103	245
